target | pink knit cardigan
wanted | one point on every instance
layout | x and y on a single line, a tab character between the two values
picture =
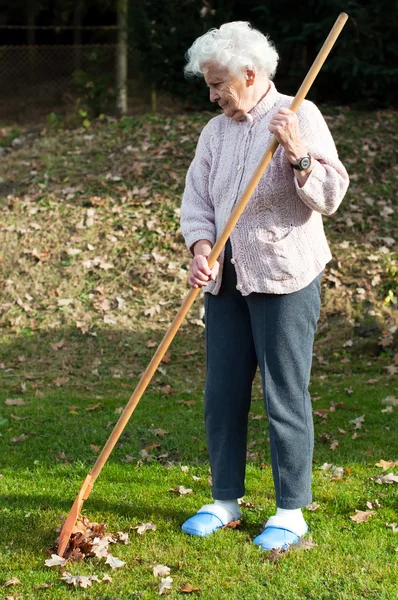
278	245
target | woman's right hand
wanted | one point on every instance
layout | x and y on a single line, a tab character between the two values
200	273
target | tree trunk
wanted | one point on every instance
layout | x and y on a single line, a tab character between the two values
77	33
154	98
31	38
121	67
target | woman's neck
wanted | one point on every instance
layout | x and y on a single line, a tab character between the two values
261	91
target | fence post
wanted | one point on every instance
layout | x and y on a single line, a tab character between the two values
77	33
31	38
121	66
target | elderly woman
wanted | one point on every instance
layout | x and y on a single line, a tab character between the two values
262	298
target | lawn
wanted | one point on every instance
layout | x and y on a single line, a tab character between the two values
92	271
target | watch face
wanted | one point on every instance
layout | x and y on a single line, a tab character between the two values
305	163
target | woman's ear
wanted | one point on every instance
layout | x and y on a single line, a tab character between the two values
250	75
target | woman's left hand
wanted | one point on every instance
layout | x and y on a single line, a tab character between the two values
285	127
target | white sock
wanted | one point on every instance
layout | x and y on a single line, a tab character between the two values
227	510
231	506
290	519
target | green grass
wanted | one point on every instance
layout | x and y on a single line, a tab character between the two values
43	473
76	335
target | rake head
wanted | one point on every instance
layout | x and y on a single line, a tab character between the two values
74	513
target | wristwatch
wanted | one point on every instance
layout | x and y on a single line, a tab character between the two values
303	164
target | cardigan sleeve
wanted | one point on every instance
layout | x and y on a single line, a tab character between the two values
328	181
197	210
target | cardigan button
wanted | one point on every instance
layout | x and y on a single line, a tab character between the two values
239	287
233	261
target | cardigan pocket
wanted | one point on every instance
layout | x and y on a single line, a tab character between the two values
271	211
284	259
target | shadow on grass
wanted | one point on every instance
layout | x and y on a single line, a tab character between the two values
59	376
29	534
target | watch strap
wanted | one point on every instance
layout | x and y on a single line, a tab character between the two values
303	163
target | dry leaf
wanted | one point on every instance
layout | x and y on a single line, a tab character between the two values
391	400
247	504
151	312
392	370
165	584
94	406
389	478
19	438
313	506
13	581
16	402
386	464
393	526
303	544
166	390
123	537
358	421
107	579
114	562
55	561
325	466
161	570
186	402
65	301
60	381
58	345
100	547
143	527
77	580
337	473
160	431
189	589
233	524
152	447
18	418
181	490
334	445
274	555
361	516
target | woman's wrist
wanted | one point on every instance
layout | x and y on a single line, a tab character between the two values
202	247
296	152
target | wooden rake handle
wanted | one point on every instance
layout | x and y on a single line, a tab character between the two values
215	252
191	296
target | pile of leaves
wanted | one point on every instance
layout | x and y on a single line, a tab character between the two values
88	540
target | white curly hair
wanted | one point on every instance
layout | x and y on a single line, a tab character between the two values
234	46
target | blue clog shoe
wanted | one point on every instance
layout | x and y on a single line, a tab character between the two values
275	537
206	521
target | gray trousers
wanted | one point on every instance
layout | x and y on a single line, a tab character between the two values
276	333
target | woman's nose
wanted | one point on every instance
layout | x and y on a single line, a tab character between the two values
214	95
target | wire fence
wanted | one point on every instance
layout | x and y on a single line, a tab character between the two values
41	78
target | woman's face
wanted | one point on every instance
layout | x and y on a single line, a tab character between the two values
233	93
